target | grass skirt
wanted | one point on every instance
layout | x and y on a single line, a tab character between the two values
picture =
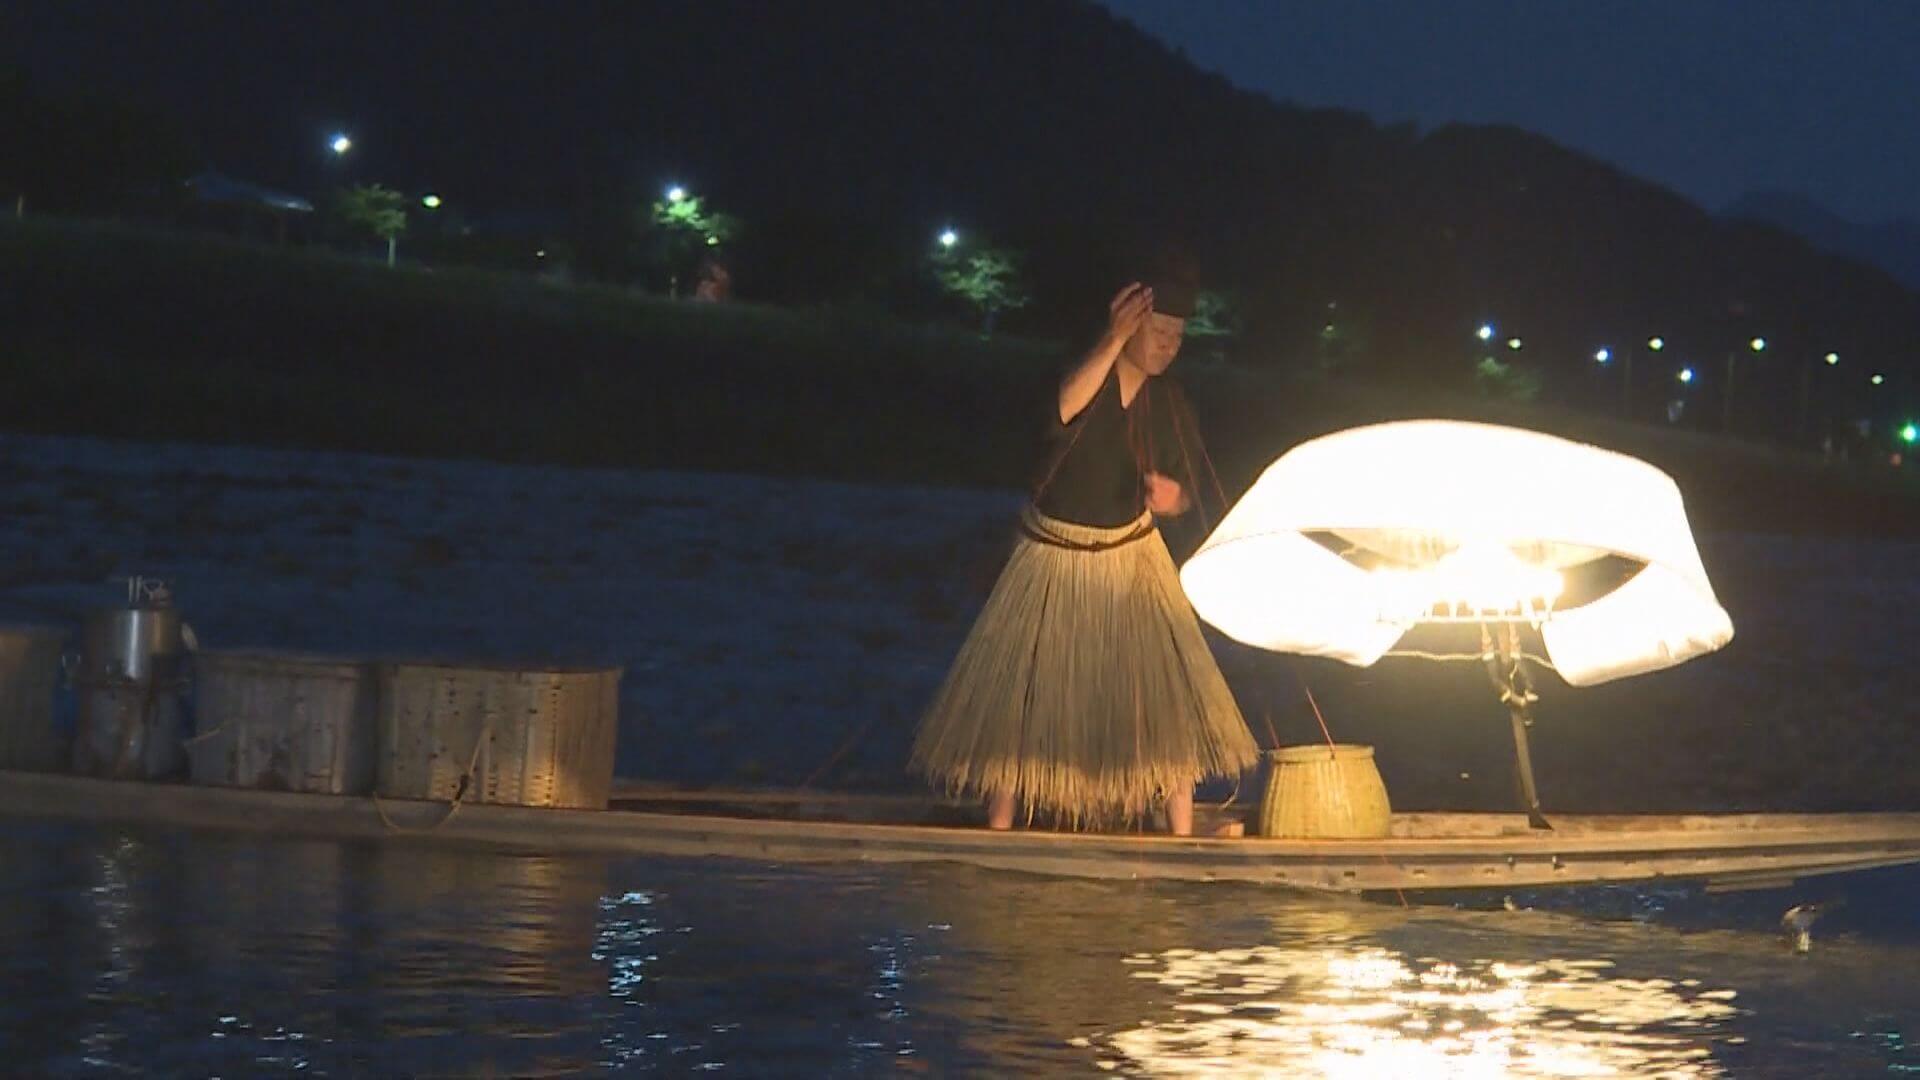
1085	686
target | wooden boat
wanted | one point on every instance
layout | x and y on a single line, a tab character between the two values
1425	851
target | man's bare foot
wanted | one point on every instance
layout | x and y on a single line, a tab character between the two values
1000	811
1180	812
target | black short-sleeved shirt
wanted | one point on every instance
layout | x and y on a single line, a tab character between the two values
1094	471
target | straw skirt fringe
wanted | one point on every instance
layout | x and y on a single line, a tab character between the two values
1085	686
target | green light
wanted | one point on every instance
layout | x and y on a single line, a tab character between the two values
1909	433
430	201
1877	379
1833	358
1656	343
1513	343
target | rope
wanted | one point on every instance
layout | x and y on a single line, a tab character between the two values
459	792
195	740
1267	715
1327	733
840	753
1316	713
1079	424
1040	536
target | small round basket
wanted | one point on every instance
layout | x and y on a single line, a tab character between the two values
1324	792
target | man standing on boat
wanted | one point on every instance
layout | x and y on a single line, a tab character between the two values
1085	689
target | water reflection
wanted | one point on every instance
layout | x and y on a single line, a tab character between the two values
173	953
1353	1011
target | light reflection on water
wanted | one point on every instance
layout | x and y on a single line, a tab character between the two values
1358	1011
172	952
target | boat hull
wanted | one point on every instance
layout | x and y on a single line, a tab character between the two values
1424	851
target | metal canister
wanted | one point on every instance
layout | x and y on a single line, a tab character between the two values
130	682
129	643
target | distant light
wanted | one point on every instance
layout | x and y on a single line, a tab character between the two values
1686	374
1485	332
1833	358
1909	433
1513	343
676	193
1603	355
1757	344
713	241
948	238
340	143
430	201
1656	343
1877	379
541	254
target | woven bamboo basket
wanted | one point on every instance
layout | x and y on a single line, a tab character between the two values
524	737
283	722
1324	793
29	670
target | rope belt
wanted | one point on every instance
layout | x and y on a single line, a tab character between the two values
1140	532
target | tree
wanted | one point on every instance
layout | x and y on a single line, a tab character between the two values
988	279
1213	324
1501	381
685	230
377	210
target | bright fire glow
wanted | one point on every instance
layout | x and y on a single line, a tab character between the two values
1477	520
1473	579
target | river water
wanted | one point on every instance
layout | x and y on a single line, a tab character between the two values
167	952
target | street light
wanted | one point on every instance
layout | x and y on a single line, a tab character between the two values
1603	355
1909	433
1686	375
1485	333
430	201
676	193
1757	345
1513	343
1877	379
340	144
1656	343
1806	392
948	238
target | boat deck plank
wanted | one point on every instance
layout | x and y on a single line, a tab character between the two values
1425	851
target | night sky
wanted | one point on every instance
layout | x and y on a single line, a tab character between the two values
1713	98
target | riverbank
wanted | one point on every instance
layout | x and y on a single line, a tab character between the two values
120	332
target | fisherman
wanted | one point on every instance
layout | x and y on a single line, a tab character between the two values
1085	689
